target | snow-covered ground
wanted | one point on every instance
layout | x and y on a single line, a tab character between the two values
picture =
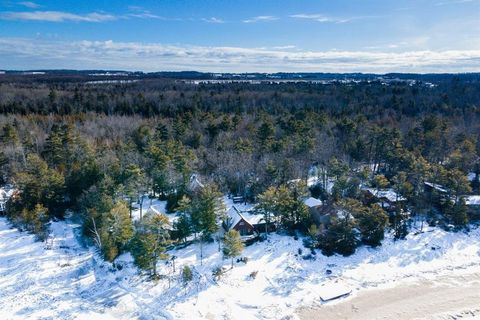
46	280
61	279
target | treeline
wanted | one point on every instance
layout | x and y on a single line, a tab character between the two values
453	96
96	150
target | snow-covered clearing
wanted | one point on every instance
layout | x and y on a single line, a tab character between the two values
61	279
47	280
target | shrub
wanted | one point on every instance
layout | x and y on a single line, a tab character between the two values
218	272
187	274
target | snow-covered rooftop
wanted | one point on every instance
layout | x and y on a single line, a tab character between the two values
235	215
312	202
6	193
471	176
472	200
437	187
253	218
388	194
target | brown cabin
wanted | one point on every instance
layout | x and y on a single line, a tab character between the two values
245	222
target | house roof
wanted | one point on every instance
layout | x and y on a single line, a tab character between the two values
235	216
6	192
388	194
312	202
437	187
472	200
471	176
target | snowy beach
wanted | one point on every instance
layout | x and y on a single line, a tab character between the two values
447	297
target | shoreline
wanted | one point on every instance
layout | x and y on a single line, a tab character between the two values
446	297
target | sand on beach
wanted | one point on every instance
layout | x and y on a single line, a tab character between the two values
454	297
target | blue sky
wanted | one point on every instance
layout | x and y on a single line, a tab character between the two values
242	36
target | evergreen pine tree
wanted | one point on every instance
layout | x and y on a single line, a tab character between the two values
341	236
187	275
372	223
150	242
116	230
232	244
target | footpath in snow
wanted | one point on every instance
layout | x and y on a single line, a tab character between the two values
60	279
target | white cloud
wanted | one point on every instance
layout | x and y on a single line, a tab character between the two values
213	20
143	15
286	47
321	18
29	4
448	2
260	19
60	16
318	17
20	53
57	16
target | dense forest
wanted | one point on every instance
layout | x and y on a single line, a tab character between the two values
92	149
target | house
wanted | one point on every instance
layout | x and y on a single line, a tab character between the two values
6	193
472	176
388	199
472	200
313	202
315	208
473	205
436	192
3	201
327	213
474	180
321	213
431	187
247	223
